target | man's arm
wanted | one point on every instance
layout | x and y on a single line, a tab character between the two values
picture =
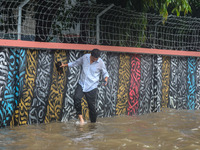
75	63
105	74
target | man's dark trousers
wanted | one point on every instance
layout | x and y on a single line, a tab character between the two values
90	98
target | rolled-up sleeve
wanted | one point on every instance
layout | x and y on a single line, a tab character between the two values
76	63
104	70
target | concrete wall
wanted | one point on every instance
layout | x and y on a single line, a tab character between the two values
32	91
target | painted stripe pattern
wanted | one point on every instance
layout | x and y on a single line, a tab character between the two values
191	83
55	99
100	103
43	80
123	87
165	81
72	80
4	57
197	106
112	86
28	87
145	84
133	102
11	92
182	83
21	74
156	90
85	109
173	83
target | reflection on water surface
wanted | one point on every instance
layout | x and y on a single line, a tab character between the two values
166	130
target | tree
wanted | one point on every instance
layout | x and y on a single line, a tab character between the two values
163	7
195	6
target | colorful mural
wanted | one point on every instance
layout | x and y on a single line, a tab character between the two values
33	91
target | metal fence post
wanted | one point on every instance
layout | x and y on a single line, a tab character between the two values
98	24
20	19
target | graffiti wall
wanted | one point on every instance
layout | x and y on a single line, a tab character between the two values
33	91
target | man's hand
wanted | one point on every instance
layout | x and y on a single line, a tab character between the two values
64	65
106	81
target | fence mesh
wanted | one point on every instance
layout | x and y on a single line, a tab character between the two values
66	21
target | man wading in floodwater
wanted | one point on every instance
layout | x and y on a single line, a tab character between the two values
92	66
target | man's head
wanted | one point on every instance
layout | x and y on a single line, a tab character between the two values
95	53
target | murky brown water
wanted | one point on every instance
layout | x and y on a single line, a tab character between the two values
166	130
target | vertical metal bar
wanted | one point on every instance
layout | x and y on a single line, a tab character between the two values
98	24
20	19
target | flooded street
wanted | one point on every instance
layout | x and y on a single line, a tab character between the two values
166	130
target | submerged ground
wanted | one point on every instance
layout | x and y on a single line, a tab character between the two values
168	129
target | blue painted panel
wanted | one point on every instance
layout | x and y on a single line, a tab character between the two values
191	83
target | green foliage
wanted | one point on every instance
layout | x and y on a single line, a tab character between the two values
195	6
163	7
194	3
177	6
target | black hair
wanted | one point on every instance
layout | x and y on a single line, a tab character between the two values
96	53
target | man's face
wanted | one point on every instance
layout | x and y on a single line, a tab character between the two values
93	59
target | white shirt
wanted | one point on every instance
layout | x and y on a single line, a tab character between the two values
89	78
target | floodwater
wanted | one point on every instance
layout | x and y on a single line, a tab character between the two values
166	130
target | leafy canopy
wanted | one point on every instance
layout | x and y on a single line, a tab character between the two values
163	7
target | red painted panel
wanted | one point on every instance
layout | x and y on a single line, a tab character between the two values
133	102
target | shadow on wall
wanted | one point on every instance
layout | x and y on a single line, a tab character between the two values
33	91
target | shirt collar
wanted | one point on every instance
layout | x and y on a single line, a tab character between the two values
89	58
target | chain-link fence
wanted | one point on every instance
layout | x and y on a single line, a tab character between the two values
88	23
